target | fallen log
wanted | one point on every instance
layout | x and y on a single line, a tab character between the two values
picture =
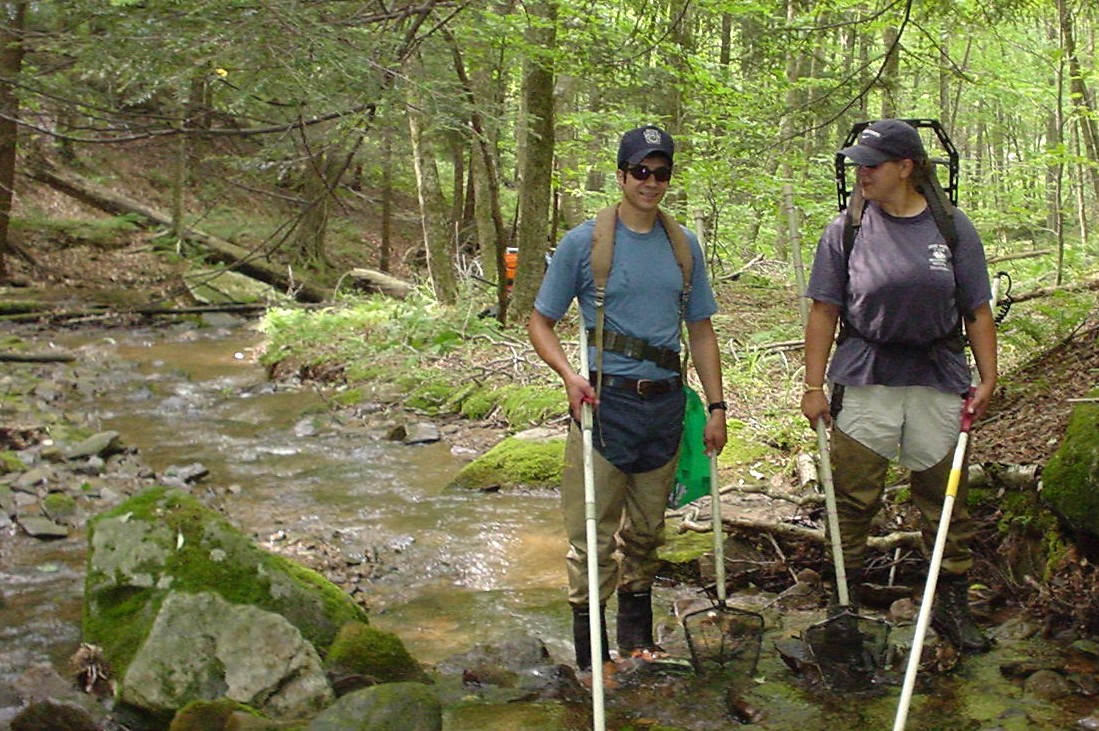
792	531
36	358
371	280
221	251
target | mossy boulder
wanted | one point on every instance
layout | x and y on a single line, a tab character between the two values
389	707
206	715
1070	481
365	650
530	459
163	540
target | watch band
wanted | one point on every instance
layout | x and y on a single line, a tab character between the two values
717	405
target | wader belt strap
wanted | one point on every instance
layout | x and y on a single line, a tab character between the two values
639	349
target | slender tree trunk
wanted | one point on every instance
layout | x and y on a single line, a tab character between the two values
433	210
11	66
536	145
385	246
486	158
889	72
1080	95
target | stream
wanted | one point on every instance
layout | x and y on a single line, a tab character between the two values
457	568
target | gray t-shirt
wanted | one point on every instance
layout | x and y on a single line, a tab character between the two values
643	291
900	296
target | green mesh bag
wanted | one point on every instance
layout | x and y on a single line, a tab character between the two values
692	477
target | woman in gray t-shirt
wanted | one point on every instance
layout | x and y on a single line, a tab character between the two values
899	378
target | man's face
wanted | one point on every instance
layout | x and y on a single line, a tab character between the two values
646	194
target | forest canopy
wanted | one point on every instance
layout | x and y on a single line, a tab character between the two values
496	121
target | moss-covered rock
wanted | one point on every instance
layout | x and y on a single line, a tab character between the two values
1071	478
516	462
365	650
389	707
10	462
206	715
164	540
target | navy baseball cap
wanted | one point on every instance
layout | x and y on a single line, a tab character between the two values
637	144
885	140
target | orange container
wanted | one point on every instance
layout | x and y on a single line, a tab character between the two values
511	264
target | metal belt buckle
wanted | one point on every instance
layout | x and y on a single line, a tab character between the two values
643	386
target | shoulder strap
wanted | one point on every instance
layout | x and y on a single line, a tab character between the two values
602	256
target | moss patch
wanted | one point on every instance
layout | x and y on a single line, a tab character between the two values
514	463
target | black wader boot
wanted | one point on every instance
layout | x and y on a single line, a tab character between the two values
951	617
581	636
635	622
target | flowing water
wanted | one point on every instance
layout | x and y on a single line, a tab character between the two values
459	567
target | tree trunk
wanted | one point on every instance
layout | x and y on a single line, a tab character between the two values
385	246
11	66
1080	95
489	196
536	145
433	210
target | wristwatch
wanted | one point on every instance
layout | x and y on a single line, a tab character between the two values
717	405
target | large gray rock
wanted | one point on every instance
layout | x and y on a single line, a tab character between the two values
388	707
163	544
203	647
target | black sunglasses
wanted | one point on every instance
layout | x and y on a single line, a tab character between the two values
642	172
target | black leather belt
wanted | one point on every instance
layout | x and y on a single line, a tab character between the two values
644	387
637	349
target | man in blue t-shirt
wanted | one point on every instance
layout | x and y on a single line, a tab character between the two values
638	416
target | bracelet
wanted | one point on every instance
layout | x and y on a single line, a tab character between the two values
809	388
717	405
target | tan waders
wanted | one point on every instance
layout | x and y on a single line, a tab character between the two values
859	474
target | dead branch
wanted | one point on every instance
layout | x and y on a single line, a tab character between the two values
1020	255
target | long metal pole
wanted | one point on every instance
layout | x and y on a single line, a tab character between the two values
595	621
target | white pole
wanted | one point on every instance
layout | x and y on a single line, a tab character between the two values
595	614
936	563
932	581
719	532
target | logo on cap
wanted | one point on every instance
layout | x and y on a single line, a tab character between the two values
652	136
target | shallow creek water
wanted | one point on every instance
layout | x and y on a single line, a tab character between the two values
465	567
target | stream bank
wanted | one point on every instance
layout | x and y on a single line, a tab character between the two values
445	570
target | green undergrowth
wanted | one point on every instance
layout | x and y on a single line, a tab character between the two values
435	359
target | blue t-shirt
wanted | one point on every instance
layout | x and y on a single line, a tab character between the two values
901	284
643	291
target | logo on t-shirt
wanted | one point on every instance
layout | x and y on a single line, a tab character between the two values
938	257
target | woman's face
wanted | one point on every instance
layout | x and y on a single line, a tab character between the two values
882	181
